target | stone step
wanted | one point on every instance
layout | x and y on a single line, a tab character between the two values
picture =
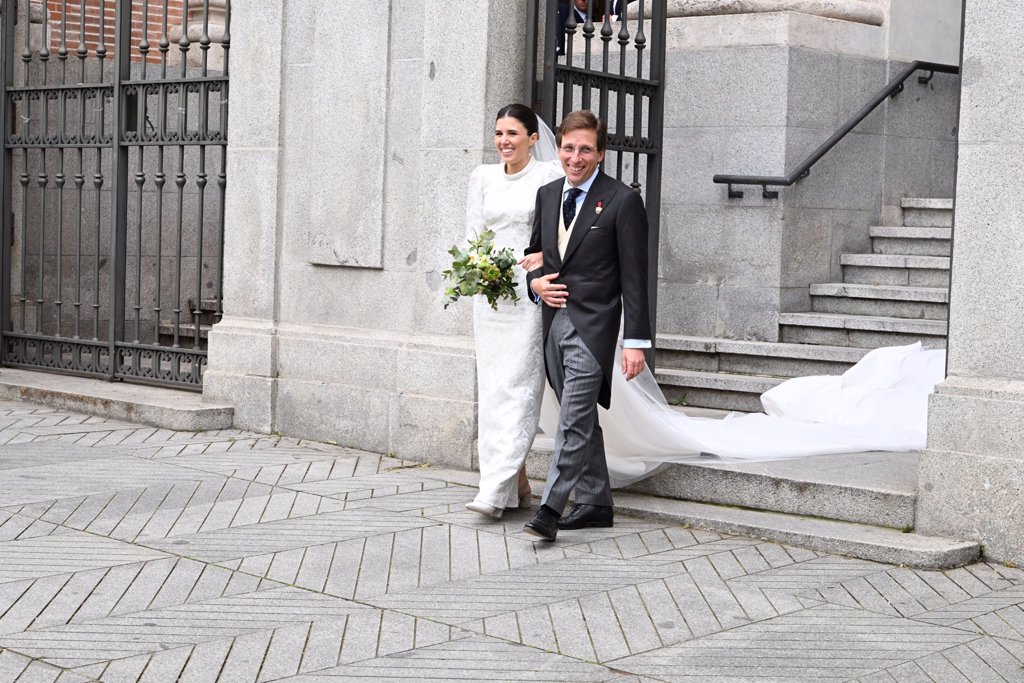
867	488
927	212
156	406
864	331
910	241
719	390
930	303
895	269
866	542
863	541
771	359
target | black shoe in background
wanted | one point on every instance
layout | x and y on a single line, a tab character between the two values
544	524
587	517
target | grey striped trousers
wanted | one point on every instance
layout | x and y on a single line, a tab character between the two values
579	443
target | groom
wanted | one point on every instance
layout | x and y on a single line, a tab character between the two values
592	230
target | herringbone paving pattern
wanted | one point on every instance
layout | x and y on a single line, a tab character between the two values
129	553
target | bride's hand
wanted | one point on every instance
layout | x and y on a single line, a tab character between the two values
532	261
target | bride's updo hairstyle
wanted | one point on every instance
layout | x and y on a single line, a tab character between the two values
522	114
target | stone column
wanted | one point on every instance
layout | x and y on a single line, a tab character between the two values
972	474
243	349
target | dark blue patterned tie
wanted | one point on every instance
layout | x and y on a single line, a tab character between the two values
569	205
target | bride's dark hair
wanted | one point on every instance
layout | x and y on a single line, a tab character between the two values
522	114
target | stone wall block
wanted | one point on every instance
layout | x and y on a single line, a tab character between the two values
355	417
813	89
455	104
348	297
334	185
435	430
730	86
251	396
928	30
986	297
748	313
739	245
439	375
251	232
993	82
974	424
369	364
443	204
243	346
690	309
693	155
972	496
860	79
918	167
806	246
848	177
924	110
256	75
403	222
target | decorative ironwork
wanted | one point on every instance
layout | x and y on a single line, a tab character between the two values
107	271
615	67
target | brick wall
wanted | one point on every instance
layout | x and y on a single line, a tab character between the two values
153	23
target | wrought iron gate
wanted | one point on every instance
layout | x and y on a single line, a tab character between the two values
113	180
615	68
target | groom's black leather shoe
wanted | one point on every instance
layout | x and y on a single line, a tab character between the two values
587	517
544	524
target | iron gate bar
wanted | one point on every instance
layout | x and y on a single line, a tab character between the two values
44	136
119	197
6	184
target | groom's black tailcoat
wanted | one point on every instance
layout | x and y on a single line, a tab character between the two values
604	269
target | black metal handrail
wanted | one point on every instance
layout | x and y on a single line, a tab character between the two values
804	169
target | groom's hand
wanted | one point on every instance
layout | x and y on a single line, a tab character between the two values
552	294
632	362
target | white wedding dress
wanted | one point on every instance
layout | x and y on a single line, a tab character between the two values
509	361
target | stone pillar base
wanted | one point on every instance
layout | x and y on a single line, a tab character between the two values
413	396
243	371
971	482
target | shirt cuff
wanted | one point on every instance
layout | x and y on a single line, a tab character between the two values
636	343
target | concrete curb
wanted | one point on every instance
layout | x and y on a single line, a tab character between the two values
155	406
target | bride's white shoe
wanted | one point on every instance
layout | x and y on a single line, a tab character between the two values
484	509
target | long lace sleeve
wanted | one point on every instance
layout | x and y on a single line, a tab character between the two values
475	204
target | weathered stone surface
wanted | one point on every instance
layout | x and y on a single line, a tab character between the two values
220	551
165	408
846	10
845	487
971	473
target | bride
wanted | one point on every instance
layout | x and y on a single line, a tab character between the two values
509	364
879	404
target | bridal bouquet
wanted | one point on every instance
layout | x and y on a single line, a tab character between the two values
480	269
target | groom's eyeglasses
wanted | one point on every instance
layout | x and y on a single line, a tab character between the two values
569	150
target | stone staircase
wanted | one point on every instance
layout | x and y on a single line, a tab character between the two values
898	294
858	504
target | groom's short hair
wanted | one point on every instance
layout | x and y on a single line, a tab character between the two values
583	120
